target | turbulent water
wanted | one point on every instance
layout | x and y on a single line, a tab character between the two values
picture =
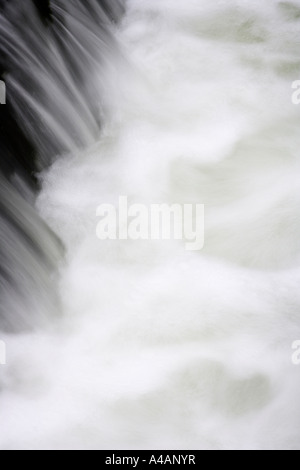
154	346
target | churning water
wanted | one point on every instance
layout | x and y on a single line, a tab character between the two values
150	345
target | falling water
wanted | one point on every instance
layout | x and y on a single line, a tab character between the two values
148	345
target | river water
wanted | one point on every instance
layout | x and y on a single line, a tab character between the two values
154	346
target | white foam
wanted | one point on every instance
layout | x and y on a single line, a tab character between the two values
160	348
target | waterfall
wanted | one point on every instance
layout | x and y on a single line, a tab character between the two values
51	60
140	343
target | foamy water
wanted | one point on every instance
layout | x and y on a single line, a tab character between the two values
155	346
